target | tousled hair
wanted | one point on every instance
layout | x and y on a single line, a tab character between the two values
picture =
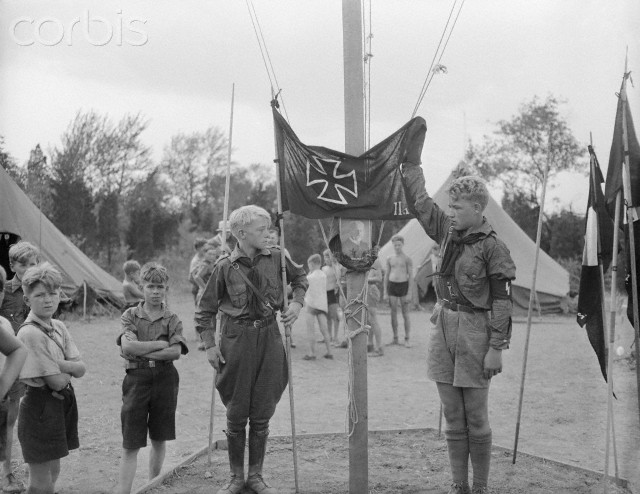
23	251
153	272
315	259
245	215
471	188
131	266
45	274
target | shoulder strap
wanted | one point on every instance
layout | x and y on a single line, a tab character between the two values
41	328
253	288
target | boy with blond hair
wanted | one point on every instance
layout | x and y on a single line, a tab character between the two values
22	256
48	419
246	288
150	341
315	301
471	321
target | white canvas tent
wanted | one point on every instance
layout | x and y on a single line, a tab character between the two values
20	217
552	283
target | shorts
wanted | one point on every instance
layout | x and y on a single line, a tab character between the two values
47	426
149	401
398	289
458	343
315	312
332	298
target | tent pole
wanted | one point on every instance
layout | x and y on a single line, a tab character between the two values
84	302
532	296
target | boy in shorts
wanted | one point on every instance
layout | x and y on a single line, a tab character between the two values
48	418
15	353
150	341
246	288
333	272
315	301
131	284
397	283
471	321
22	256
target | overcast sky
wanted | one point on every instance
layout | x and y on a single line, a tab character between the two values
175	62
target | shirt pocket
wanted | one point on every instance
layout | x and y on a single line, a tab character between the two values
473	278
238	294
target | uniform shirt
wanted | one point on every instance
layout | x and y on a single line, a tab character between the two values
13	307
46	347
227	292
138	326
316	296
479	262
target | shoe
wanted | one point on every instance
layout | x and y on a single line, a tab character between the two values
459	488
234	486
329	356
480	489
292	345
378	353
320	341
259	486
201	346
309	357
407	344
394	342
344	344
11	484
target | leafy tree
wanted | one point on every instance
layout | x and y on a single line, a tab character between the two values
520	149
566	235
8	162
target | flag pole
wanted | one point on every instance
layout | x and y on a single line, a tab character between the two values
287	327
632	216
532	296
225	216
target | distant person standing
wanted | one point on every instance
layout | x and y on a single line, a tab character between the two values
198	245
131	286
397	283
333	272
315	301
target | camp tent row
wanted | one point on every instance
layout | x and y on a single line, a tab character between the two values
552	282
20	217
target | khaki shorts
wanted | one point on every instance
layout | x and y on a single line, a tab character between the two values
458	343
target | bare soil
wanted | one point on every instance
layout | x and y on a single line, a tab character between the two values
564	409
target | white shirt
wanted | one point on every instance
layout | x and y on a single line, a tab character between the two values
316	296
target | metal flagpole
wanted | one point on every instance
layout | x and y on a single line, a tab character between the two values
531	297
225	216
287	328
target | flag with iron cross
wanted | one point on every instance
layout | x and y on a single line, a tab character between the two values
317	182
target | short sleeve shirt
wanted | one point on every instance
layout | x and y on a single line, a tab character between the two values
46	345
138	326
13	306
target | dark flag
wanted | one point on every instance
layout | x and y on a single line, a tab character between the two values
598	245
616	182
317	182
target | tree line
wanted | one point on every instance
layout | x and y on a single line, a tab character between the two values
102	188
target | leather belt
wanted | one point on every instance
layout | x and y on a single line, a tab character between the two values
146	364
258	323
454	306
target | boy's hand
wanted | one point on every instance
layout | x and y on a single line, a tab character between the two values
215	358
289	317
492	363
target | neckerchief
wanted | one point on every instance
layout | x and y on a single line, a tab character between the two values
454	248
253	302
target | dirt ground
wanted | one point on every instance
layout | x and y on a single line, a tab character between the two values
564	409
410	462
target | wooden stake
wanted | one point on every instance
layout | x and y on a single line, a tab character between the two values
355	145
532	296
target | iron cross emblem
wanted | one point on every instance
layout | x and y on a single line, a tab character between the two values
334	184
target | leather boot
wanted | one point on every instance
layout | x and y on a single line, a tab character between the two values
257	450
236	442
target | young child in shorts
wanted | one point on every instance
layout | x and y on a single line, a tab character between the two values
315	301
15	354
48	418
471	321
150	341
131	287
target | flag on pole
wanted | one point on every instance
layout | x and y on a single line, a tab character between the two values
598	245
615	182
318	182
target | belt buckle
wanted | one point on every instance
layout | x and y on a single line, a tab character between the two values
152	363
257	324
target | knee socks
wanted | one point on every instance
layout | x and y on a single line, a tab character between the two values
480	453
458	448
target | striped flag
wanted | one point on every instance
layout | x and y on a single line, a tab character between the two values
596	257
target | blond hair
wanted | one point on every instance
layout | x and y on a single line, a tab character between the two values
245	215
471	188
44	274
153	272
23	251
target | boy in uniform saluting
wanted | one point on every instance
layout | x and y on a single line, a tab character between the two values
471	321
246	288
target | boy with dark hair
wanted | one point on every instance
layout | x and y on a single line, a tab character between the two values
471	321
22	256
15	354
131	284
398	279
246	288
48	420
150	341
